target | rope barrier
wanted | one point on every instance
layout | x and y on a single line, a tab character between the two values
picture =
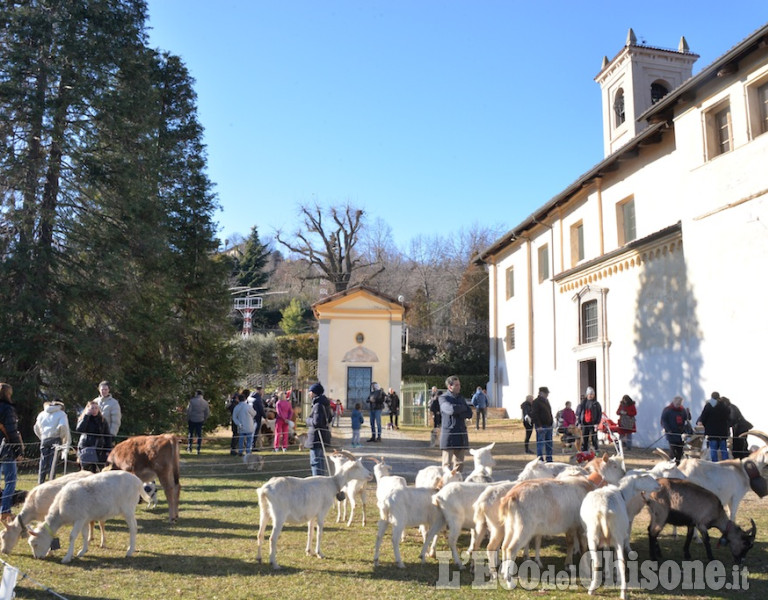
31	580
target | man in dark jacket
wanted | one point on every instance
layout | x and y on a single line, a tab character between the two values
11	447
319	434
525	408
716	421
257	404
675	421
541	417
588	414
454	413
376	405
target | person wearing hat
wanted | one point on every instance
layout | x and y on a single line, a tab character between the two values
52	428
589	414
541	417
319	434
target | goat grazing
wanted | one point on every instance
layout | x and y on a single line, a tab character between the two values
684	503
97	497
36	506
606	522
296	500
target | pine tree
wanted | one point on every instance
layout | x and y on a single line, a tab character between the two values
250	268
293	318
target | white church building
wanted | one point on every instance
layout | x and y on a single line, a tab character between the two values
645	275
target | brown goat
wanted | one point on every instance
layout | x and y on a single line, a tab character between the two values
683	503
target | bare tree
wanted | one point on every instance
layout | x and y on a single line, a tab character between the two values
327	244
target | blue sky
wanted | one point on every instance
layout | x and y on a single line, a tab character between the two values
430	115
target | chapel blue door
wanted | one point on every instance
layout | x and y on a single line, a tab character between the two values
358	386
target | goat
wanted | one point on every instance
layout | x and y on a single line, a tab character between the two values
550	507
354	489
296	500
435	477
408	507
385	481
456	500
483	458
94	498
480	474
683	502
36	506
606	522
729	480
486	508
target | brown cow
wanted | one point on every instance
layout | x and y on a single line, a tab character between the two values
149	457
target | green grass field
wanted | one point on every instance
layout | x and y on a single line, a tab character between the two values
211	552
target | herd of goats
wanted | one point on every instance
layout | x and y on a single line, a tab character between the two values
594	506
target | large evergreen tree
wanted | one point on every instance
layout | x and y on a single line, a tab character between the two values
250	269
106	215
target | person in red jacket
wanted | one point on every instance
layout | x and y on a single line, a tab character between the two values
627	412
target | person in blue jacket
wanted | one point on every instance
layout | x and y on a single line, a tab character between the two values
455	411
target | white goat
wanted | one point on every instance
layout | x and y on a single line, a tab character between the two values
385	481
483	458
434	477
606	522
729	480
354	489
36	505
97	497
408	507
456	500
551	507
296	500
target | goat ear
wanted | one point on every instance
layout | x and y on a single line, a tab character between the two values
605	457
31	531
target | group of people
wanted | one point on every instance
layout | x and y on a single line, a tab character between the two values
97	424
248	409
720	420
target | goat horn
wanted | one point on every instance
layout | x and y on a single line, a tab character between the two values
348	454
756	433
374	459
663	454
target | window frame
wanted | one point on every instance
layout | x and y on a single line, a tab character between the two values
543	259
757	107
509	338
626	236
717	119
577	242
510	282
619	108
589	324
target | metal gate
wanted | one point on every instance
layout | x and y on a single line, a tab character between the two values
414	404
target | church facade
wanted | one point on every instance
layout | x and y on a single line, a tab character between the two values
645	276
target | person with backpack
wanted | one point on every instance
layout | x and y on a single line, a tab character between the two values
589	414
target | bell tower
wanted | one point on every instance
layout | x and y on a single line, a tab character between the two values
637	77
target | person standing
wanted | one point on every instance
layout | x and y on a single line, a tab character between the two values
283	416
319	434
357	422
230	406
541	417
243	417
255	399
525	407
715	418
95	439
480	402
627	412
52	428
376	405
454	413
675	421
11	447
434	407
589	414
393	401
198	411
110	409
739	425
